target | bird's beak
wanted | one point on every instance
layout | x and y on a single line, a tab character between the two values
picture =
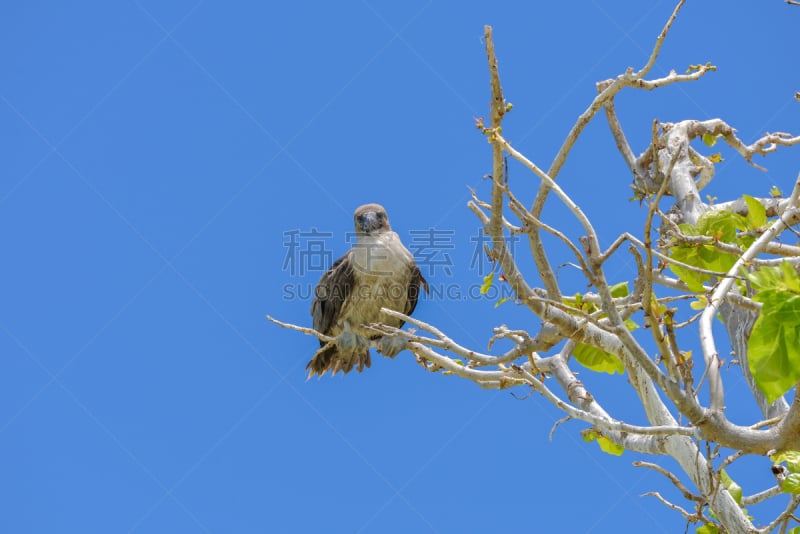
368	222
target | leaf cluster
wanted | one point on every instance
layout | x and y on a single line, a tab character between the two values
721	226
774	345
592	357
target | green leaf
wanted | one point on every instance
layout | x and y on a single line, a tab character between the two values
693	279
795	530
774	192
606	445
597	360
579	303
764	279
722	225
708	528
609	447
791	484
709	139
792	459
619	290
687	229
773	350
488	280
733	488
744	241
716	260
774	344
791	279
502	300
756	213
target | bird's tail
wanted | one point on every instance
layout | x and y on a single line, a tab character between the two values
328	358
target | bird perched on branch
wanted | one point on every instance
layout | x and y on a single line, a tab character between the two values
377	272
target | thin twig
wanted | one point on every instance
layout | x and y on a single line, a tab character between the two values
660	41
761	496
692	518
303	329
768	422
688	495
784	517
556	425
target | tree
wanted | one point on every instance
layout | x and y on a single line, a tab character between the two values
699	264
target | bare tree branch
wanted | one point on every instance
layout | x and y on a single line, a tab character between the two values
783	519
692	518
688	495
749	500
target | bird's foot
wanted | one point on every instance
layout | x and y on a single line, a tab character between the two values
348	342
353	350
391	346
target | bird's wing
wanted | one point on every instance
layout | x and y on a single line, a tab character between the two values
414	284
330	293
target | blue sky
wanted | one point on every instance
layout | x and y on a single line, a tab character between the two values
156	158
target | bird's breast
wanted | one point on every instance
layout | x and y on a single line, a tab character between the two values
380	256
382	274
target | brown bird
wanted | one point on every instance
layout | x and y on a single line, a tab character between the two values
377	272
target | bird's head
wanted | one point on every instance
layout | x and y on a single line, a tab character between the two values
371	219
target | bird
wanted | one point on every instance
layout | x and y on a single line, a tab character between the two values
377	272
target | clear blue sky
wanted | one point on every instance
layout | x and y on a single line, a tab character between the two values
155	159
